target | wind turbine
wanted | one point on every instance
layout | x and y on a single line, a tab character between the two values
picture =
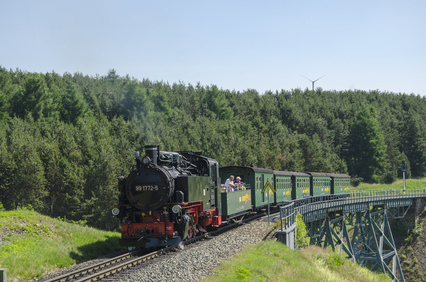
313	81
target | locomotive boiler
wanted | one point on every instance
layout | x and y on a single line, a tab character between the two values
168	197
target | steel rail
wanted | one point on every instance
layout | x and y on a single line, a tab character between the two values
84	271
123	266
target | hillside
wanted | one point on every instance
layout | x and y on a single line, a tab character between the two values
32	244
410	238
409	235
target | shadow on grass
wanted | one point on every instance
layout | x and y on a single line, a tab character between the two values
97	249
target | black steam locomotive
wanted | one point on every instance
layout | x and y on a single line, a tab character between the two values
168	197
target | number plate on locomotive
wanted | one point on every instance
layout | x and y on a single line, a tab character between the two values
139	188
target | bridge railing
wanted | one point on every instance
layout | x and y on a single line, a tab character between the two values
357	197
319	199
388	193
287	216
323	203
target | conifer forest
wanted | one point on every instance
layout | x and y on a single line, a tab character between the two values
64	139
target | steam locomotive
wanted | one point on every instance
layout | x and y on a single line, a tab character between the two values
169	197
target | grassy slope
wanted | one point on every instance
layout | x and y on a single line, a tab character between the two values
32	244
399	184
273	261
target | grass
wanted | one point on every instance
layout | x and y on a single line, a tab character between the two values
411	184
32	244
273	261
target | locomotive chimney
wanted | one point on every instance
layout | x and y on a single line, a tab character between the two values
152	152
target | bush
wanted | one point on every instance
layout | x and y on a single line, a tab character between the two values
389	177
335	260
356	180
243	274
302	238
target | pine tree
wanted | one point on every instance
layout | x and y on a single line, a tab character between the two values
414	144
367	146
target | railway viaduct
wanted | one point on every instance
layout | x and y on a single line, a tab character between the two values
356	225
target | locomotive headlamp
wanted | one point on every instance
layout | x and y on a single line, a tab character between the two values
115	211
146	160
176	209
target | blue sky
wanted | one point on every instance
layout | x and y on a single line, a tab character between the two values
236	45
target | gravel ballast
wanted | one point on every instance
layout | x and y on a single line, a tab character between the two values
195	261
199	259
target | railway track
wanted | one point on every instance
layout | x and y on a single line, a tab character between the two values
128	260
117	264
107	267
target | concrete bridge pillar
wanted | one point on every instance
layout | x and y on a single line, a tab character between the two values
287	236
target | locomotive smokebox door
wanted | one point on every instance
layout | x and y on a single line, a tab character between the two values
149	189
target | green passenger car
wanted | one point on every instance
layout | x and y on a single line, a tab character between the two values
282	185
235	203
340	183
300	185
320	184
256	178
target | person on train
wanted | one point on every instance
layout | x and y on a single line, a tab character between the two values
238	183
229	184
